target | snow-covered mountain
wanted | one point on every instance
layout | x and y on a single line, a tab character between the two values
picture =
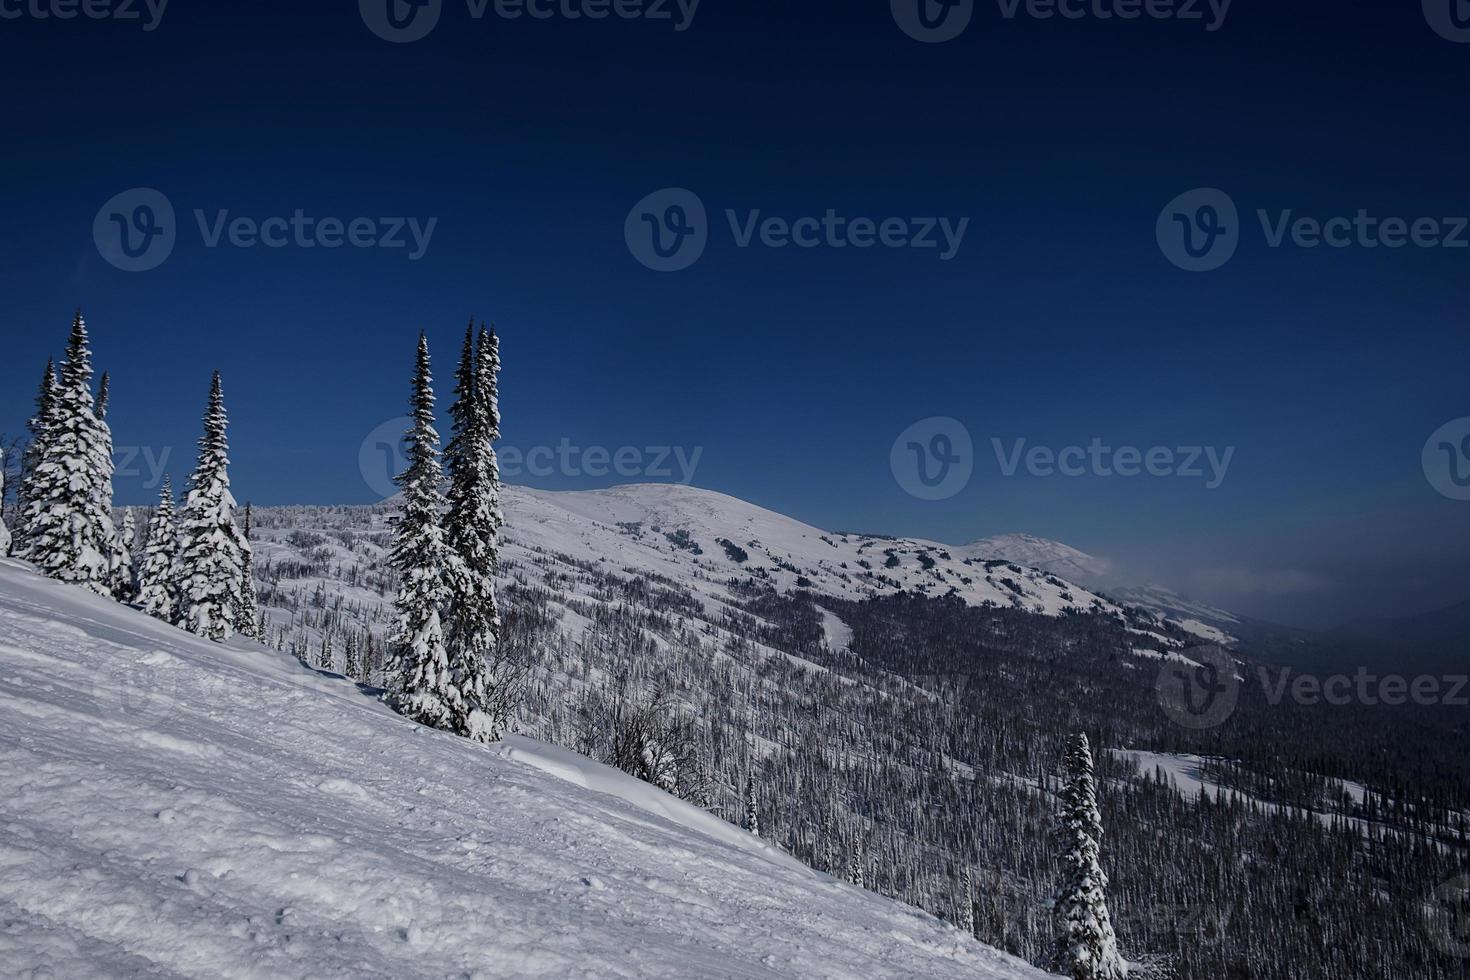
1207	622
703	541
174	807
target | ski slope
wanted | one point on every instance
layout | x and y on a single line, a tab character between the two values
173	807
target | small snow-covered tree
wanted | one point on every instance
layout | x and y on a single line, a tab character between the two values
68	517
4	531
211	548
965	904
425	692
38	428
855	866
251	624
1087	948
124	579
158	592
752	812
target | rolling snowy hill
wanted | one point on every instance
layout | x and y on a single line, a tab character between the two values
174	807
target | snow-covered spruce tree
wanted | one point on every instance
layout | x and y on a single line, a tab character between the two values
965	902
68	516
211	548
488	683
158	592
752	813
124	580
252	626
4	531
38	427
425	691
1086	949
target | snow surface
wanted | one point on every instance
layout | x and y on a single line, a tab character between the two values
174	807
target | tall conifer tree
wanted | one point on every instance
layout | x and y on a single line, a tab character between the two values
68	517
425	690
212	549
1087	948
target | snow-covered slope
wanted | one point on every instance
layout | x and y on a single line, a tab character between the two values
1209	623
681	532
173	807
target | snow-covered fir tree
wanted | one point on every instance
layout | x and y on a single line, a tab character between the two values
68	516
158	592
37	427
965	904
124	579
472	524
752	813
251	624
1087	948
4	531
212	549
425	690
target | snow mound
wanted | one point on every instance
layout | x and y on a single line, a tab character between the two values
174	807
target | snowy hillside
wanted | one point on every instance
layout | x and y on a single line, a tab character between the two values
683	532
176	807
1207	622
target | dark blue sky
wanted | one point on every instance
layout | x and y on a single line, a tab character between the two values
1059	320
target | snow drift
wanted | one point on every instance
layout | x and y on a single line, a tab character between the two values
174	807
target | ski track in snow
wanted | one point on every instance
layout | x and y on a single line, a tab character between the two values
177	808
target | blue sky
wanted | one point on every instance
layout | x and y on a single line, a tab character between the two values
1059	319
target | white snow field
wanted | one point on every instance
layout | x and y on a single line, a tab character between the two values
173	807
